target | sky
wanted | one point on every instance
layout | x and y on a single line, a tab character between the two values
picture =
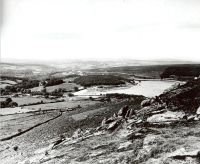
85	29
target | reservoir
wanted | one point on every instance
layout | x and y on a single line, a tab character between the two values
148	88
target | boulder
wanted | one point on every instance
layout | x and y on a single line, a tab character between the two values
165	117
111	119
130	113
134	135
122	112
114	125
198	111
114	115
183	154
103	123
97	153
125	146
138	121
191	118
78	133
60	140
146	102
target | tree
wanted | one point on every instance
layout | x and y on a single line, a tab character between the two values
8	100
70	94
76	89
12	104
44	90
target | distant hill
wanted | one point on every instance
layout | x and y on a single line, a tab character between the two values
181	71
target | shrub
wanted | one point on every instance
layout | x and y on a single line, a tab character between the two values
15	148
8	100
76	89
19	130
70	94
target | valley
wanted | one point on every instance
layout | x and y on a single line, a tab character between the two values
70	108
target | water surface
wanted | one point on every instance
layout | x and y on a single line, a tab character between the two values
145	88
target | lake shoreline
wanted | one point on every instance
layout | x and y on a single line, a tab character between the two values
147	88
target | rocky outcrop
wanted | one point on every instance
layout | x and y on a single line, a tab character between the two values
198	111
147	102
168	116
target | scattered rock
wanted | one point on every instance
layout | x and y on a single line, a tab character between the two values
133	136
111	119
196	118
99	146
124	146
182	154
146	102
114	125
61	139
122	112
114	115
191	118
198	111
138	121
78	133
130	113
103	123
46	153
97	153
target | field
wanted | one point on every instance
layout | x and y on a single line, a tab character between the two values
59	105
67	85
28	100
4	83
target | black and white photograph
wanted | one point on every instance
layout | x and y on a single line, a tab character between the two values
99	81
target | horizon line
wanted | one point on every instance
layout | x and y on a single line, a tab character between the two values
4	60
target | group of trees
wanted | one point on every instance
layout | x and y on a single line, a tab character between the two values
92	80
52	82
8	103
26	84
20	87
57	93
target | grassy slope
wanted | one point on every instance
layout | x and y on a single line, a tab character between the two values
68	123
